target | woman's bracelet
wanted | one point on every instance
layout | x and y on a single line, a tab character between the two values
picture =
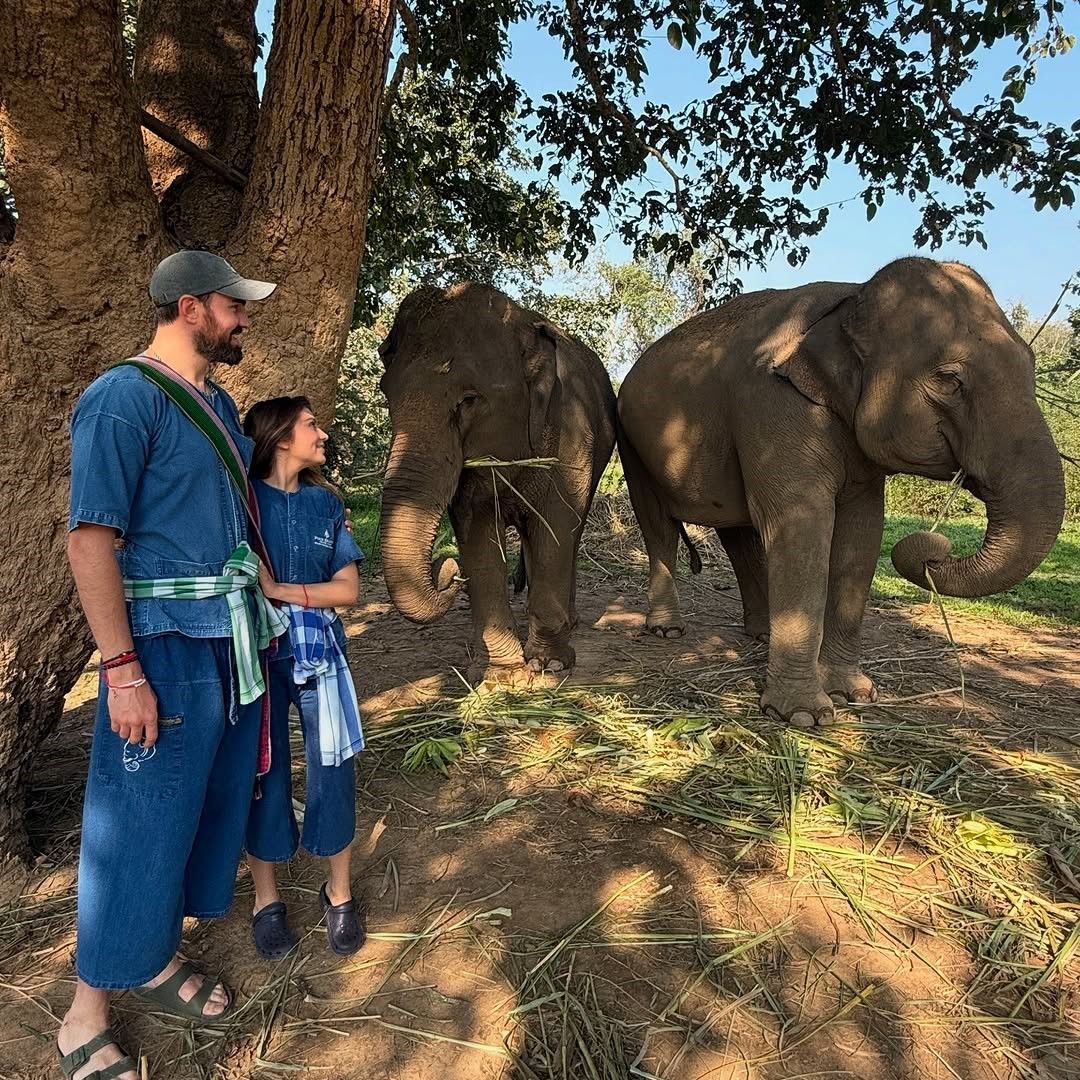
125	685
306	601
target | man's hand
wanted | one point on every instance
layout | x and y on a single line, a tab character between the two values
133	713
348	521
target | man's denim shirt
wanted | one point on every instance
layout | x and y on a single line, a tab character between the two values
139	465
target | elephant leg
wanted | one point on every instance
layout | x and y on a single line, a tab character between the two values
551	580
797	559
661	534
855	547
747	554
496	646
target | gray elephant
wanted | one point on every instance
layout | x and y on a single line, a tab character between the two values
775	419
471	374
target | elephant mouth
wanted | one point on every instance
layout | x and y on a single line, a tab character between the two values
972	484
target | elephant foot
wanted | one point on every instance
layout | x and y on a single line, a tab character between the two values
666	626
548	660
797	704
847	685
756	627
500	677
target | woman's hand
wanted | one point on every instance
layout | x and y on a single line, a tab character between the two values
267	583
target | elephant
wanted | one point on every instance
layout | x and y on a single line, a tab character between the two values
471	374
776	417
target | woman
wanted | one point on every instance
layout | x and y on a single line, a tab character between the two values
314	561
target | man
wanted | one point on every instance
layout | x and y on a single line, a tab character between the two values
175	750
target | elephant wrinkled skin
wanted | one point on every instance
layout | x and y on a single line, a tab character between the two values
775	419
471	374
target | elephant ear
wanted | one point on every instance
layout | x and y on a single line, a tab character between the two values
818	356
386	347
542	380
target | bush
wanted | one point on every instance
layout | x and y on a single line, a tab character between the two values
360	436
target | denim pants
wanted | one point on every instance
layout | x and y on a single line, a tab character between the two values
163	828
330	806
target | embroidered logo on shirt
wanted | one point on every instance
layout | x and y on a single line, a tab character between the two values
324	541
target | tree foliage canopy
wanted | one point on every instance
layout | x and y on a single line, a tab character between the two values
797	87
728	180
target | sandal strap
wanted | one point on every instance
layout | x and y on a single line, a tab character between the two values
202	995
125	1064
71	1063
171	986
167	995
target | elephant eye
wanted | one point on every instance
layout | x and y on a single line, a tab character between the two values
468	398
948	381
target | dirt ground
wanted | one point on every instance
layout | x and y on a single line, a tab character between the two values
581	930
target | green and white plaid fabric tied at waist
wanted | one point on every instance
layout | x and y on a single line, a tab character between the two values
250	636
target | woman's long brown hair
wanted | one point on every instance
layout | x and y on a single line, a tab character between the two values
271	422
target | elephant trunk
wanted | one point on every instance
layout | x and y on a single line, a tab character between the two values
420	482
1025	502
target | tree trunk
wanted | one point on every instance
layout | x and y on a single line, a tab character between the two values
306	204
72	299
194	69
73	283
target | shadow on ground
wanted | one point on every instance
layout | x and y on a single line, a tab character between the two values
637	875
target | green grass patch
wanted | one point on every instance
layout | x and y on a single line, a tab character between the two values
366	507
1049	596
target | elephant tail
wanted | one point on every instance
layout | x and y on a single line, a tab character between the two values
520	577
695	558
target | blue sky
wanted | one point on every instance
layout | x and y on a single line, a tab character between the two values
1030	255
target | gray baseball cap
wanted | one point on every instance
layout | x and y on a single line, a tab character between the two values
193	273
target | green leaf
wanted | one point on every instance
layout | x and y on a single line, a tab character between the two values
501	808
871	210
674	36
979	834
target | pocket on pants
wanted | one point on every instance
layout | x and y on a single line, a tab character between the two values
152	772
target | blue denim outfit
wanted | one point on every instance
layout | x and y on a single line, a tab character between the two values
162	828
308	543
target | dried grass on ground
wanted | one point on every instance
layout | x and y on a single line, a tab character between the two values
635	874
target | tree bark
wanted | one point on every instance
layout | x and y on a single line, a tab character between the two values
73	283
194	69
306	203
72	299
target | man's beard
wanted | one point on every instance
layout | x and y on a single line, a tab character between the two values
216	350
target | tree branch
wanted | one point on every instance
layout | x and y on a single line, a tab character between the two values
1057	303
407	61
173	137
583	58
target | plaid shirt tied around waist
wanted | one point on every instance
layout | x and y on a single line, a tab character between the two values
252	632
317	655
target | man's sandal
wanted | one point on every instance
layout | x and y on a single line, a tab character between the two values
71	1063
167	996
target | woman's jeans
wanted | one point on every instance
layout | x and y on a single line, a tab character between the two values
330	804
163	828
